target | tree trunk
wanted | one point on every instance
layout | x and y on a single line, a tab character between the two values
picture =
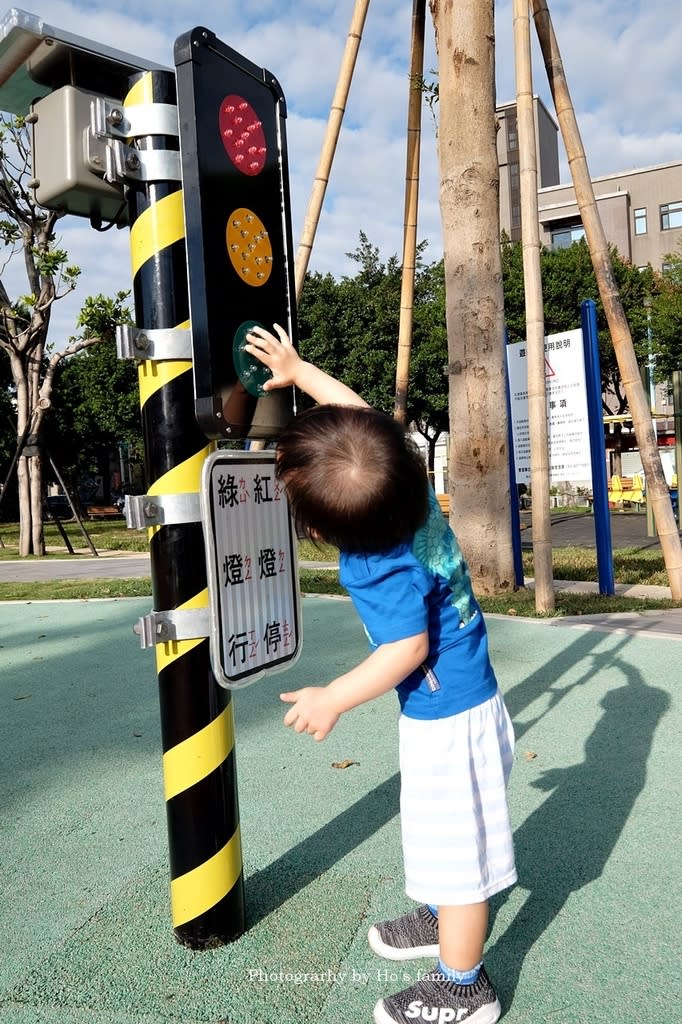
24	325
479	432
30	481
30	417
35	475
658	494
24	494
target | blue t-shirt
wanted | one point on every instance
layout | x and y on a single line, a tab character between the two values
418	587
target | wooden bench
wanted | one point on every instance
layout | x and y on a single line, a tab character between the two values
444	502
626	490
102	512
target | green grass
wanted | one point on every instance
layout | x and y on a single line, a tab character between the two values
521	602
114	535
106	535
631	566
75	590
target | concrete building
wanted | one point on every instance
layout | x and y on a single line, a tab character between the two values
641	210
547	148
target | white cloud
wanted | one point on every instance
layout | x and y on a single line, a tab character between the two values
621	60
112	27
104	260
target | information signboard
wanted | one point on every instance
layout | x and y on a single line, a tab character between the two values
252	565
567	416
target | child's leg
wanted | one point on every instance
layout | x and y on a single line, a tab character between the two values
458	989
462	932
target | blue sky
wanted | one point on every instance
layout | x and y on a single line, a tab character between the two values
622	60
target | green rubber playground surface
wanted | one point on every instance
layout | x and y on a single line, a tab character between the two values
590	935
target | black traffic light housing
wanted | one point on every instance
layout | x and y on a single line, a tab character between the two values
238	231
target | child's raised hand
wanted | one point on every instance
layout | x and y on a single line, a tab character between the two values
277	353
312	711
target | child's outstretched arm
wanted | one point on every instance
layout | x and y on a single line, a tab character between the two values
280	356
317	709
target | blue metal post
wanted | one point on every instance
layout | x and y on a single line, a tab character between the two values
514	494
602	520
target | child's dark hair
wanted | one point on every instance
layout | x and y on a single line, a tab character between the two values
353	478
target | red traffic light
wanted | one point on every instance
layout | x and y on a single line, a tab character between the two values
242	134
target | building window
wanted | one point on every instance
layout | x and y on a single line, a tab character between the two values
673	271
640	221
512	136
671	216
564	236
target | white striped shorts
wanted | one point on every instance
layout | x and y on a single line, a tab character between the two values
456	833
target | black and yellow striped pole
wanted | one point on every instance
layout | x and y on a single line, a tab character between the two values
199	770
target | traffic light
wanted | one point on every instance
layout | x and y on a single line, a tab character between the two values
238	231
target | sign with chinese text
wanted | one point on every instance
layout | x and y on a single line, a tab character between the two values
567	416
252	568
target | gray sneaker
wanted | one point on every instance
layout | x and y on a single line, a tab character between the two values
408	937
435	998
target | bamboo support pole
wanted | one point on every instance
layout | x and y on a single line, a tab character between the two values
657	489
535	320
409	267
338	109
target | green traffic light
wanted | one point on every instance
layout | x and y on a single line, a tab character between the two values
252	373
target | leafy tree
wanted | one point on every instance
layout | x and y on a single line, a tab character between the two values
28	230
350	329
427	397
567	280
24	322
8	497
7	438
666	317
96	405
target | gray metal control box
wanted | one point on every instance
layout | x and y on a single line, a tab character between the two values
65	164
